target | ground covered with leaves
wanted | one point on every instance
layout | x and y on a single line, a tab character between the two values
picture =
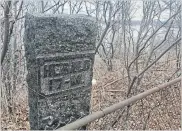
159	111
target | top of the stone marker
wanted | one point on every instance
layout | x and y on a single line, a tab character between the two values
65	16
60	33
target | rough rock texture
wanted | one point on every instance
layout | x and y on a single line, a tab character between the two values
60	53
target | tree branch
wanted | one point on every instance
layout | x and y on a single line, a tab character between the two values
135	78
6	30
106	29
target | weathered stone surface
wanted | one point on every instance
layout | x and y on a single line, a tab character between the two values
60	53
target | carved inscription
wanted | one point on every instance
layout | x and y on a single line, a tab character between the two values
63	75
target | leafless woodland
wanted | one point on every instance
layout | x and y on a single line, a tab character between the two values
137	48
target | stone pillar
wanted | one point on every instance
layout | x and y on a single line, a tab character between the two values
60	53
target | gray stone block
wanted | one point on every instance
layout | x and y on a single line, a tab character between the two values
59	52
